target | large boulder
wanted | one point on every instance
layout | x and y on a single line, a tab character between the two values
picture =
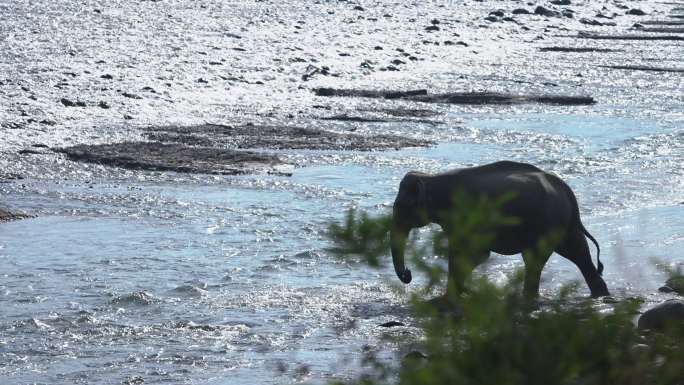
660	316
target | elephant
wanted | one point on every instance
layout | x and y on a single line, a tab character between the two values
542	203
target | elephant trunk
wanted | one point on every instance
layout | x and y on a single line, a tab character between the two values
398	236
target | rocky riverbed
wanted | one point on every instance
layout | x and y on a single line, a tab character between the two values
180	162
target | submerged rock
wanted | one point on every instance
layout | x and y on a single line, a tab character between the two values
6	215
660	316
391	324
156	156
460	97
278	138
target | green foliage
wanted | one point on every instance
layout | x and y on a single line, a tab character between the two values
493	335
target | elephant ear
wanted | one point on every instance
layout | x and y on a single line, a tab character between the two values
414	186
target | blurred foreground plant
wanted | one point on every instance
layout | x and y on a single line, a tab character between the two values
498	337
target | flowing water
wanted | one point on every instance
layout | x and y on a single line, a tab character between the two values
132	277
180	279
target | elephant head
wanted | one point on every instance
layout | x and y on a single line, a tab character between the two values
409	212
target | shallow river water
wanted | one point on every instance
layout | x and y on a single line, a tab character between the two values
127	277
171	278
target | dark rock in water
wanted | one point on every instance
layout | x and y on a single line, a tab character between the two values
280	138
492	18
521	11
107	76
155	156
68	103
676	283
416	355
666	289
497	13
131	95
432	28
391	324
546	12
459	97
660	316
644	68
358	8
6	215
576	49
568	13
636	12
560	2
587	21
348	118
368	93
103	105
585	35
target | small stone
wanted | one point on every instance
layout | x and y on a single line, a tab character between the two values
546	12
665	289
391	324
359	8
68	103
131	95
397	62
103	105
107	76
432	28
378	48
492	19
636	12
521	11
497	13
560	2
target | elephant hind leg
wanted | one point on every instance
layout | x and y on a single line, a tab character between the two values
534	264
576	249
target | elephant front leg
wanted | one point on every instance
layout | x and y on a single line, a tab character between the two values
534	264
460	270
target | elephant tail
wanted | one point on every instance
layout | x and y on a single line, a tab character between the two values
599	265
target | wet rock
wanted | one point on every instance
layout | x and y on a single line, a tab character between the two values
666	289
359	8
576	49
7	215
107	76
497	13
369	93
542	11
492	18
636	12
660	316
104	105
560	2
587	35
69	103
659	30
594	22
131	95
416	355
643	68
156	156
521	11
432	28
282	137
391	324
473	98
